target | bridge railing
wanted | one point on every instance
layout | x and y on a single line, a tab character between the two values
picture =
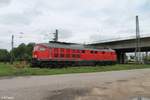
121	38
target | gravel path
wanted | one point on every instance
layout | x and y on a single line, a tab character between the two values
115	85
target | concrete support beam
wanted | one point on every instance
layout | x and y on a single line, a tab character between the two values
121	57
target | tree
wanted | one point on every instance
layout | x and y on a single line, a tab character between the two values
28	54
23	52
4	55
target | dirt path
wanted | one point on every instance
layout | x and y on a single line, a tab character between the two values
116	85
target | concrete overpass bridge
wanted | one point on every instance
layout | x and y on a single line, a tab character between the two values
123	46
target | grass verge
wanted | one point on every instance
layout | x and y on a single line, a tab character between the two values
9	70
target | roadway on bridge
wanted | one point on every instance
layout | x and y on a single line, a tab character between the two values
115	85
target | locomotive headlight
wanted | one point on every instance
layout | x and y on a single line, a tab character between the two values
35	56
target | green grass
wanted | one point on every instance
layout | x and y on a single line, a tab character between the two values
10	70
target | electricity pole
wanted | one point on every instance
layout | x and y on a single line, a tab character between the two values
12	47
56	36
137	49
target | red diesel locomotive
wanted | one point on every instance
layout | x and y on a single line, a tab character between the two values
59	54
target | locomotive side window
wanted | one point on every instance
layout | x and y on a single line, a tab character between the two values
95	52
92	52
83	51
103	52
42	49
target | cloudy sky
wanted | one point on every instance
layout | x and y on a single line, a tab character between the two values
80	21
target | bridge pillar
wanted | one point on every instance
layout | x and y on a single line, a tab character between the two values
146	57
121	57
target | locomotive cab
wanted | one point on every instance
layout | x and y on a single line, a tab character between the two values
41	53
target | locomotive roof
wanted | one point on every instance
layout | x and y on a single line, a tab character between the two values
73	46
